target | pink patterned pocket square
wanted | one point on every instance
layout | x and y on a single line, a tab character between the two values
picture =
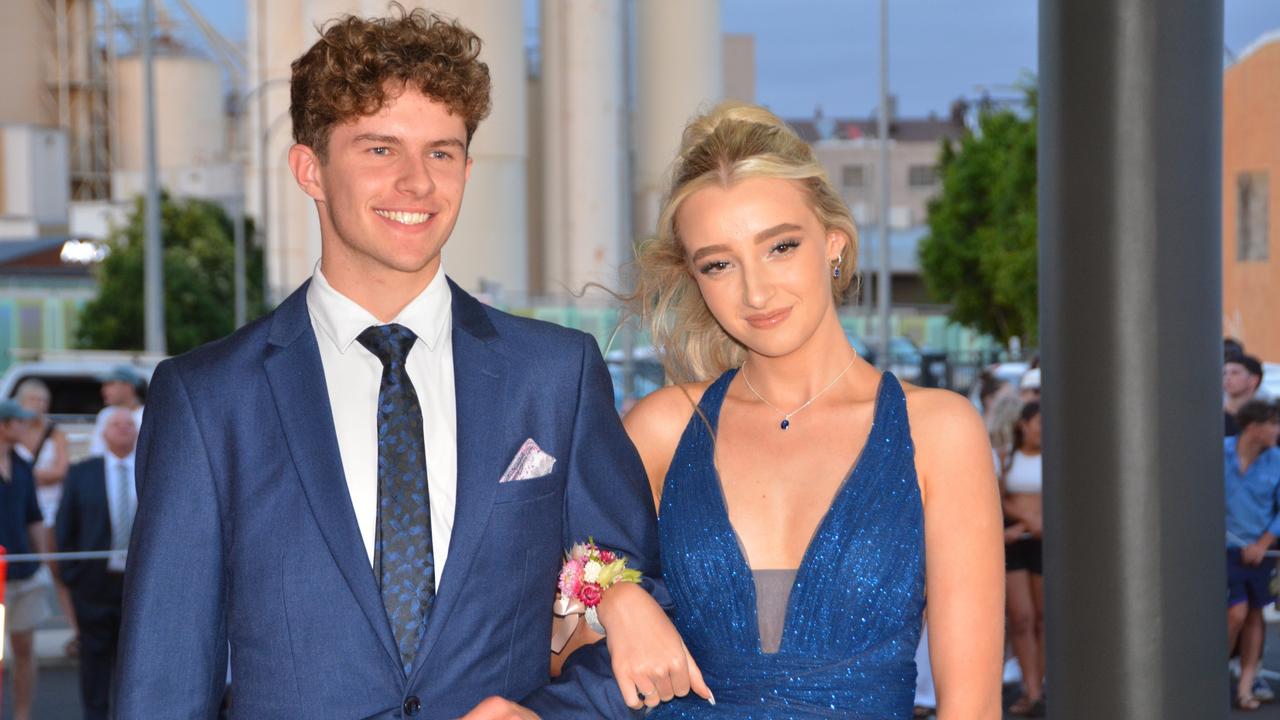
530	462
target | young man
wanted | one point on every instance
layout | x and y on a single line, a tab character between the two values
97	510
337	489
22	531
1252	470
1241	378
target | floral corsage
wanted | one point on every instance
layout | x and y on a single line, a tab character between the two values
587	572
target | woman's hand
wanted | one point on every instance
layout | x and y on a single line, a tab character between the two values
1014	532
650	660
1034	524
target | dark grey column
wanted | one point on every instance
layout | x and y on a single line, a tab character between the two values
1131	305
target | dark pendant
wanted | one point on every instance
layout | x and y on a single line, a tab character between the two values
786	423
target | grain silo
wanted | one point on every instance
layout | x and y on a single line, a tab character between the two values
191	119
27	41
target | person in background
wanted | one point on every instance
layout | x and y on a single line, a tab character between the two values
44	445
1231	348
1029	386
97	514
22	531
1252	476
1021	480
1241	378
122	387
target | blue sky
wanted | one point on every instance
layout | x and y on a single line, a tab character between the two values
825	52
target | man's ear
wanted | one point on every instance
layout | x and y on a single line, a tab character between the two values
305	164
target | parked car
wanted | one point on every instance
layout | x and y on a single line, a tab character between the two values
904	356
75	389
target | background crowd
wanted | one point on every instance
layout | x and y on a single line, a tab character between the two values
49	503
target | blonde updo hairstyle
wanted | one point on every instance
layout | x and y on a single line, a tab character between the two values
732	142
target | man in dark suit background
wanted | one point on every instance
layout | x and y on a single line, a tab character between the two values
98	504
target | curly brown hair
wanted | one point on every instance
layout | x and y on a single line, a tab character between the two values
359	64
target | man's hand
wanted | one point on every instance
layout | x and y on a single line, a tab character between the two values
650	660
1253	554
497	708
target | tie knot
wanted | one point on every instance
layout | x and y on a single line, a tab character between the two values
390	343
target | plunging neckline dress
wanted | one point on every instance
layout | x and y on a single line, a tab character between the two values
854	613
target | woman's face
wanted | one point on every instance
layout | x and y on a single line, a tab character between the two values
35	401
1031	432
762	261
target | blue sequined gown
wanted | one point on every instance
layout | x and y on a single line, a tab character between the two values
854	615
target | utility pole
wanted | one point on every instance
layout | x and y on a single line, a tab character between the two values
152	248
883	278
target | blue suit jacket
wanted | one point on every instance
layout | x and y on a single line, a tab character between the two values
245	533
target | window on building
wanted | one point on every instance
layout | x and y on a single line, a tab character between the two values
1252	243
853	176
922	175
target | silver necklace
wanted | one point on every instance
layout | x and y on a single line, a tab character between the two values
786	416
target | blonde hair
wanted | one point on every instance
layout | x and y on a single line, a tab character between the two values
1002	419
29	386
732	142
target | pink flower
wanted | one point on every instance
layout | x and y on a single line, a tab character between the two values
590	595
571	579
607	557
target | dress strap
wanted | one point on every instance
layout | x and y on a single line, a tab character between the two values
713	397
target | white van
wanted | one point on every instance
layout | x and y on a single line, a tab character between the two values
75	388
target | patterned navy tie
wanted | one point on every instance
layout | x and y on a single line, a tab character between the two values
402	557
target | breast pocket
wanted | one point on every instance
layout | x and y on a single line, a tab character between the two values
531	489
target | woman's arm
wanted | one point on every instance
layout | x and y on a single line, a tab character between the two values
647	652
57	472
965	550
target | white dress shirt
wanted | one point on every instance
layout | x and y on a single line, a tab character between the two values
353	376
119	471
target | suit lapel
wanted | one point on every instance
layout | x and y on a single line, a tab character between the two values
480	388
296	376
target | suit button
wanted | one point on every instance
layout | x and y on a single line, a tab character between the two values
412	705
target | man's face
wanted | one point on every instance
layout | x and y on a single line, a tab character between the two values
1237	380
11	430
115	392
391	187
1265	433
120	434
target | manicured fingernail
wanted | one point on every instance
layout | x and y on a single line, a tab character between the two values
711	697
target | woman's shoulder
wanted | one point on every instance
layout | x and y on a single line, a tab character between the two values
656	424
931	407
949	436
666	411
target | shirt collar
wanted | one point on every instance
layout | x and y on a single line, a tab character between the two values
342	319
113	461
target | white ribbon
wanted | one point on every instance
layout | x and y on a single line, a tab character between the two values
568	612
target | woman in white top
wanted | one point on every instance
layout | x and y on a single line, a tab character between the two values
44	445
1024	577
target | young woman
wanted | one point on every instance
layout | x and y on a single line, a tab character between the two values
799	489
1024	578
45	446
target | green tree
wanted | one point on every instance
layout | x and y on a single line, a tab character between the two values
980	254
199	266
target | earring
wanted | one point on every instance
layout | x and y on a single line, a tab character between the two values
835	267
